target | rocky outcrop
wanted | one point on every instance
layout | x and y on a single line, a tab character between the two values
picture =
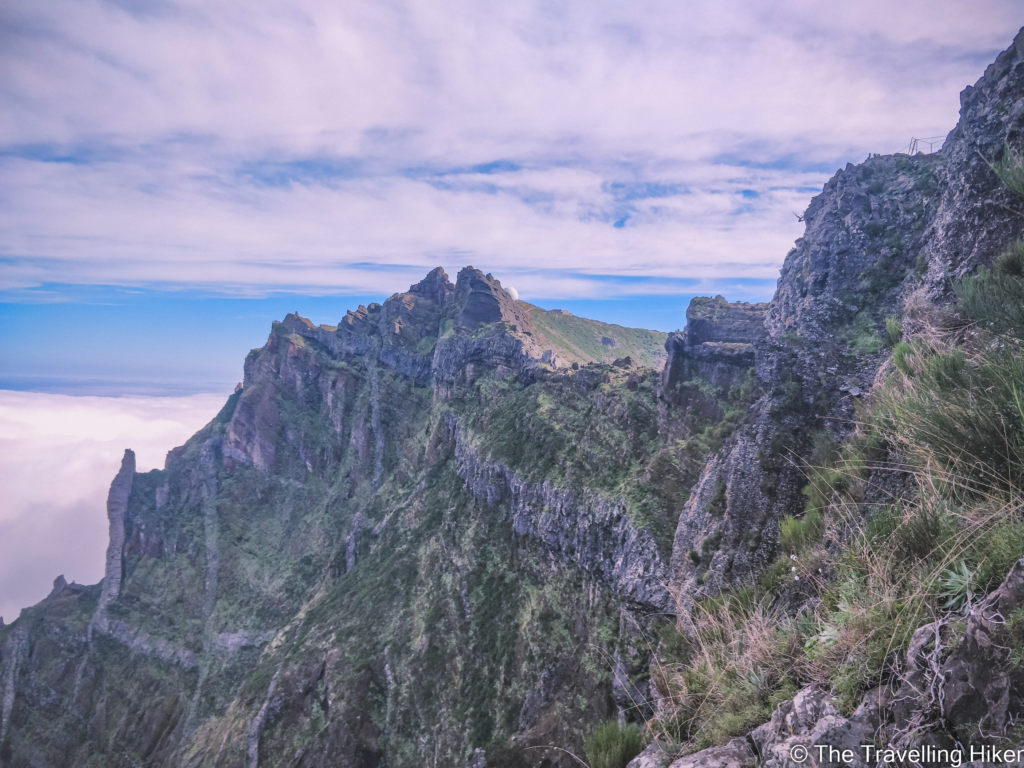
586	530
258	722
715	320
716	346
13	650
810	730
736	754
714	352
725	530
862	242
481	300
876	232
982	682
460	359
976	215
117	510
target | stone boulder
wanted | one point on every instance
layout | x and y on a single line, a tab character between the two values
983	686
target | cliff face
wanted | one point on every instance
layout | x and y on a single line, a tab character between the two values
877	232
716	348
447	531
345	562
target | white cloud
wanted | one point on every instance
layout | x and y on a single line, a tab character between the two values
58	455
173	117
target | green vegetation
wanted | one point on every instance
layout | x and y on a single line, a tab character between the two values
952	410
861	336
739	659
894	326
590	433
797	535
1010	170
579	340
996	299
613	745
958	588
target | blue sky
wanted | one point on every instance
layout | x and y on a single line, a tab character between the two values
111	340
174	175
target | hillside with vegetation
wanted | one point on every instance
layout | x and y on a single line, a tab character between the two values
458	530
579	340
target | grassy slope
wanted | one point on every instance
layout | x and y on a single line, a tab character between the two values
578	340
949	414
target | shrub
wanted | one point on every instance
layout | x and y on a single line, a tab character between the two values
867	344
867	617
894	326
1010	170
831	472
959	588
912	533
947	370
613	745
900	356
743	658
995	299
673	644
861	335
962	414
797	535
1011	261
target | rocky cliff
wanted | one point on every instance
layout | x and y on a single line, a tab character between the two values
882	262
458	530
354	563
879	232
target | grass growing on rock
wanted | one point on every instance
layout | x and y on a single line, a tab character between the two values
916	516
613	745
594	431
732	661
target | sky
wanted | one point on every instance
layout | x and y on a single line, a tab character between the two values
176	175
70	448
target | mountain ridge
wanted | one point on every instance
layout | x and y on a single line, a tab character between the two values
427	536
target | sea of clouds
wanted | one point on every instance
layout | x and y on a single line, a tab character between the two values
58	455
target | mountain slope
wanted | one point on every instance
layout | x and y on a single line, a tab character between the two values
375	554
579	340
423	538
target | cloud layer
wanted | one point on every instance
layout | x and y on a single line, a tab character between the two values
316	145
58	455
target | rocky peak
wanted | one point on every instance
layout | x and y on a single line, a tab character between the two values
481	301
295	323
716	345
716	320
408	317
435	286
